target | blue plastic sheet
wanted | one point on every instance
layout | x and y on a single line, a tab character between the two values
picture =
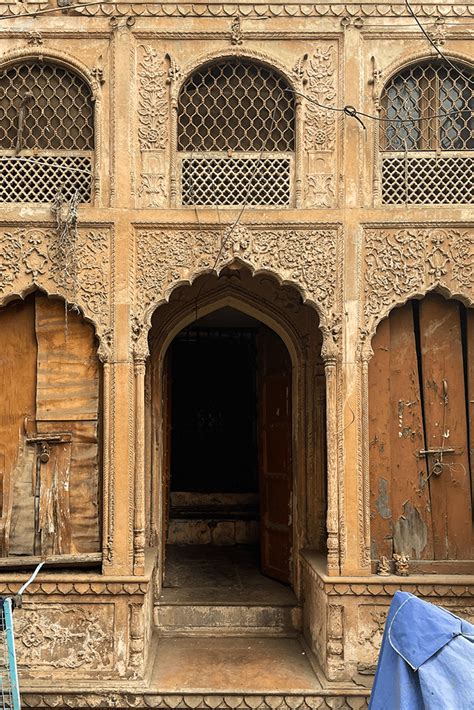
426	660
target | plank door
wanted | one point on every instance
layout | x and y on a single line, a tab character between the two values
421	382
49	379
446	425
400	504
275	464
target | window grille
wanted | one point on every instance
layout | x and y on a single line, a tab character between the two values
425	157
46	133
236	136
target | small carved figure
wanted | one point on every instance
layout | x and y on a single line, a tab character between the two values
383	567
401	565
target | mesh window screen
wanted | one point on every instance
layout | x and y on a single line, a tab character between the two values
427	108
236	113
46	133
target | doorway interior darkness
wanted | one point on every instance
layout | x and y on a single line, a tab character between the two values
230	434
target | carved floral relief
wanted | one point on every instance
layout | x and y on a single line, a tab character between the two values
152	125
402	263
307	258
33	257
318	73
65	636
319	80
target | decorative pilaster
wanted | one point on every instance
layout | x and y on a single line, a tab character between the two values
139	477
329	355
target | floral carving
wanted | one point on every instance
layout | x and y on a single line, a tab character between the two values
152	103
33	257
320	190
306	258
401	263
154	187
319	78
65	637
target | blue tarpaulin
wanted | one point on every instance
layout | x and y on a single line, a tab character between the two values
426	661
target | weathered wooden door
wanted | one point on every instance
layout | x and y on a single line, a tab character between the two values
49	412
421	393
275	460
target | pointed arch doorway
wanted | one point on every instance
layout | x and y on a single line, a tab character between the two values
229	456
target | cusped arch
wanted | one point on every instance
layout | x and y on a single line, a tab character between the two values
8	296
465	297
144	324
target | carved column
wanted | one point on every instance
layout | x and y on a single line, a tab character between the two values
329	355
299	152
139	478
107	496
173	150
364	478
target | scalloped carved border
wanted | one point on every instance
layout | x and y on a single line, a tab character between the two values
307	259
357	699
30	258
75	588
187	9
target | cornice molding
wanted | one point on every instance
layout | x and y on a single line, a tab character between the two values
252	9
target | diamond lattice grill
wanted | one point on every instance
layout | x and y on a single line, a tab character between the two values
240	115
425	155
236	106
221	181
46	133
418	95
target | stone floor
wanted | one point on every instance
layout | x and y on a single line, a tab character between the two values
231	575
233	665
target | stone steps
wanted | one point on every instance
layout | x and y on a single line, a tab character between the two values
227	619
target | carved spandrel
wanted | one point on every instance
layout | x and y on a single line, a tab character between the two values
305	258
403	263
32	257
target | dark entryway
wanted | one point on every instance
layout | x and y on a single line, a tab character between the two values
229	436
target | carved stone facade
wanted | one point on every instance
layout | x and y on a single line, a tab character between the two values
336	250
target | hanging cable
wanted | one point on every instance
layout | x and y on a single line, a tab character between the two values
237	220
433	44
355	113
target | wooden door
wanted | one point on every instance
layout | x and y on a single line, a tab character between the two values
275	460
420	416
49	376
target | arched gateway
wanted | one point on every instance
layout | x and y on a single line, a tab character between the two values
236	430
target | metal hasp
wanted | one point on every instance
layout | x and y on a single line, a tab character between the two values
437	468
44	443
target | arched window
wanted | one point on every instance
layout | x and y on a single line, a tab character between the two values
236	136
426	134
46	133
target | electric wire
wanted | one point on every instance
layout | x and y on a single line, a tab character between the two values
237	220
433	44
354	112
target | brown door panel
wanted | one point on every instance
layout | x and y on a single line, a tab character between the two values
275	437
